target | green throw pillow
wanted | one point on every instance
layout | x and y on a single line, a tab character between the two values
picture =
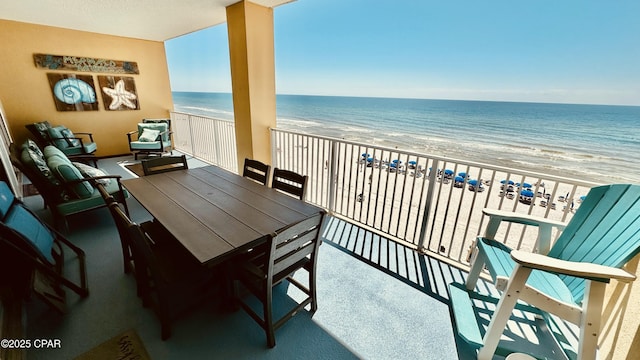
55	133
67	172
70	138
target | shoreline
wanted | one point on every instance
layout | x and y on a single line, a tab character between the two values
558	159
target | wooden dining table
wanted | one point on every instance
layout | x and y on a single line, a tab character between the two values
215	213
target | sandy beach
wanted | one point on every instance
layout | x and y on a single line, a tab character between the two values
392	197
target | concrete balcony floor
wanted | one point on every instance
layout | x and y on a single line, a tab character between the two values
377	300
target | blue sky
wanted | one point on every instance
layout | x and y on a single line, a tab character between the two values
569	51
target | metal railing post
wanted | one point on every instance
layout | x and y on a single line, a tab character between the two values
333	176
193	146
433	174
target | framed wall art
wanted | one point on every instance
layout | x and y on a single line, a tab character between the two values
118	92
72	92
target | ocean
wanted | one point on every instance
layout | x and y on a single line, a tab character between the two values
598	143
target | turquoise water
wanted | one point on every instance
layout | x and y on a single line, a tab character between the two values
589	142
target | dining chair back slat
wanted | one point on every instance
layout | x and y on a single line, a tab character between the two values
256	170
164	164
289	182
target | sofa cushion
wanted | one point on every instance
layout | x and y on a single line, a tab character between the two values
51	151
89	171
67	172
79	205
55	133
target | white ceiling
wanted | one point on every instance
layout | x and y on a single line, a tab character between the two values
157	20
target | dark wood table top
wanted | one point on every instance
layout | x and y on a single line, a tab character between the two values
215	213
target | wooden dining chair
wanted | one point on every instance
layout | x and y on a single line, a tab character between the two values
256	170
170	279
164	164
293	248
289	182
123	233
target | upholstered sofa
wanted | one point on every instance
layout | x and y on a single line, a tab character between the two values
66	184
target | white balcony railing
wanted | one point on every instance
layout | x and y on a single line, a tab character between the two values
410	197
208	139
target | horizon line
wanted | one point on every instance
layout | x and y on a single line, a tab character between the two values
416	98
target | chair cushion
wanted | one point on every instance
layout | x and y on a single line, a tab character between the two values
57	137
67	172
70	137
88	148
154	145
90	171
23	222
149	135
6	199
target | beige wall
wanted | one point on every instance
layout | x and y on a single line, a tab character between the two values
26	94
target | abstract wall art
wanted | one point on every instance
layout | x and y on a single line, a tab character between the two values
72	92
118	92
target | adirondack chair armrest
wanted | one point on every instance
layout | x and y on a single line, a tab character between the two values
523	218
545	226
578	269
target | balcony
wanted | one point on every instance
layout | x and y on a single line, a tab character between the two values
430	204
397	236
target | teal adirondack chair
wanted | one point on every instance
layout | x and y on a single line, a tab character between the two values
569	281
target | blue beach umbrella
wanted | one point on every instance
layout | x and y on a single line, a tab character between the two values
412	162
527	193
459	179
370	159
462	174
473	182
448	172
505	181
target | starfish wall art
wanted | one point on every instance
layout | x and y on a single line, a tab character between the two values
118	93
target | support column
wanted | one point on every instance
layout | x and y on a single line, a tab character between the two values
251	51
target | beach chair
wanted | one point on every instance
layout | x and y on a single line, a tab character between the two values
567	279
